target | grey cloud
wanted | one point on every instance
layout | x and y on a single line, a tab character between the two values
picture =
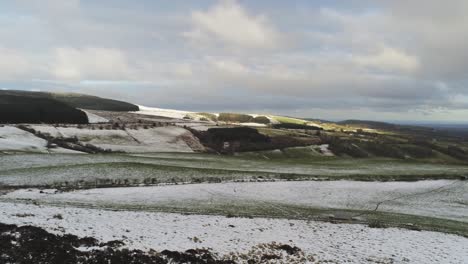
387	58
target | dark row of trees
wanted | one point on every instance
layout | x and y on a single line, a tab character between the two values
20	109
75	100
242	118
296	126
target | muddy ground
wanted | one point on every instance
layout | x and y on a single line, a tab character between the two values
29	244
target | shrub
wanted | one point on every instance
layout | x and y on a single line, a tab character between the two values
58	216
381	149
261	120
232	117
28	129
340	147
376	224
208	116
456	152
296	126
236	133
416	151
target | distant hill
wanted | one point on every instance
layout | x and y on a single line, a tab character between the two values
78	100
31	109
410	129
368	124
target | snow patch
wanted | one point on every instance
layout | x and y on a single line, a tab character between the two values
324	149
252	124
273	120
160	139
162	112
417	196
336	243
95	119
15	139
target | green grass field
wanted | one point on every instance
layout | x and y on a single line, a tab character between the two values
83	171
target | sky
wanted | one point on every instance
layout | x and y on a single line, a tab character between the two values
377	60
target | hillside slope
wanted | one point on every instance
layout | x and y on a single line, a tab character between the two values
77	100
29	109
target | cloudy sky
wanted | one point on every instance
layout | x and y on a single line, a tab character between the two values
380	60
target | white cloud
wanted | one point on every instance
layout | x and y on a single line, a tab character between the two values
396	55
438	33
51	7
230	23
230	67
90	63
459	100
389	59
183	70
13	64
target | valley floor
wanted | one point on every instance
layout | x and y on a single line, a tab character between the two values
333	210
321	242
442	199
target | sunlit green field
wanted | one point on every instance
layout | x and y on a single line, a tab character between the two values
39	170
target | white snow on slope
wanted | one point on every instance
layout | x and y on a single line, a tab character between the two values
162	112
160	139
49	129
15	139
442	198
324	149
251	124
170	113
338	243
95	119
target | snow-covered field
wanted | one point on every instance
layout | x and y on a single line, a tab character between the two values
95	119
160	139
251	124
335	243
441	199
178	114
15	139
170	113
140	219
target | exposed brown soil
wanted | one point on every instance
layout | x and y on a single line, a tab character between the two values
29	244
